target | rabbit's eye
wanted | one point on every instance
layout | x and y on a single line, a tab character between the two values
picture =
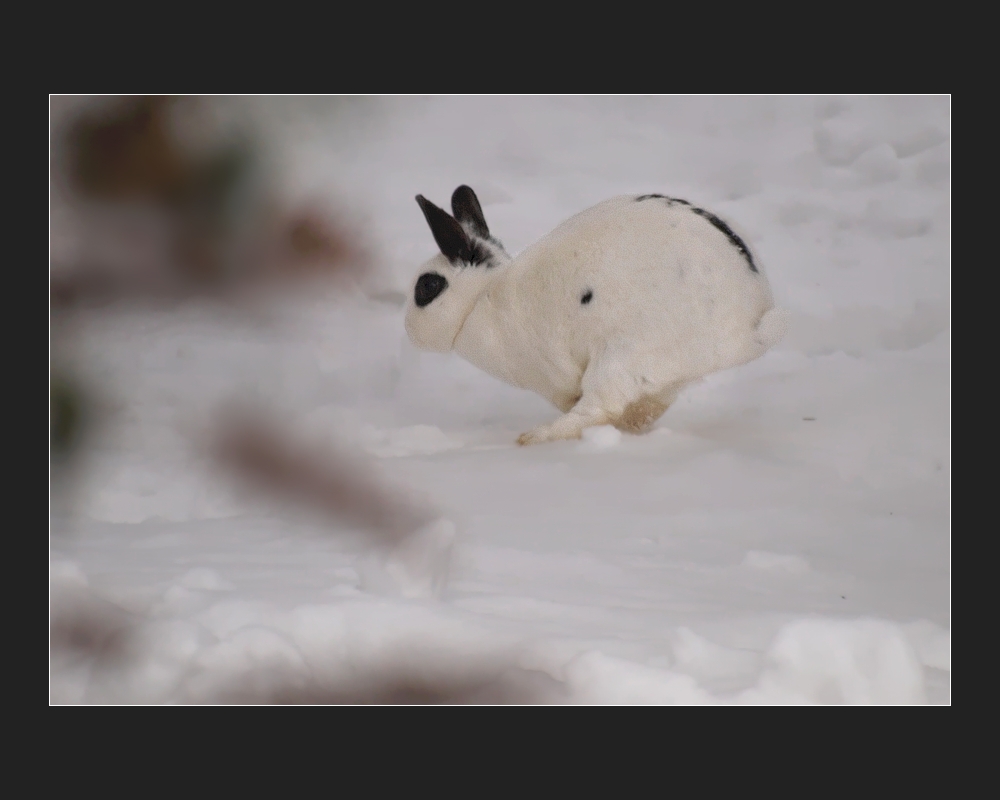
429	286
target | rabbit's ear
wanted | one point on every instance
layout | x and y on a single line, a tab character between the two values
465	206
448	234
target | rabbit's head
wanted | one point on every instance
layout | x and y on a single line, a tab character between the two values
447	287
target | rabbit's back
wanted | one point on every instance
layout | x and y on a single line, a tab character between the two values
650	274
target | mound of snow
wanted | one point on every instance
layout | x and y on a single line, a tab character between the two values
840	661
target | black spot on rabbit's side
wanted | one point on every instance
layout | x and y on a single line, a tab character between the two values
586	297
735	240
429	286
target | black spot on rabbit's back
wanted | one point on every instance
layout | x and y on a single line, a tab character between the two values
734	240
586	297
670	200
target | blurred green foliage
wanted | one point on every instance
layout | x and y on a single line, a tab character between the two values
66	415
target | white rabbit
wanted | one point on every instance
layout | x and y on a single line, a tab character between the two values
608	317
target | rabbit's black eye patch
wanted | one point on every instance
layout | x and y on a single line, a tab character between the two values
429	286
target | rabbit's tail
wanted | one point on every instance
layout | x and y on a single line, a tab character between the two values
770	330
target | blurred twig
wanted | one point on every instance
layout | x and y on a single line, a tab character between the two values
161	204
83	624
498	684
258	448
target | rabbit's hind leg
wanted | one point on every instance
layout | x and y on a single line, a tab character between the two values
612	395
569	426
638	415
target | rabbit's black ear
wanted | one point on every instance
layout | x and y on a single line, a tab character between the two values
448	234
465	206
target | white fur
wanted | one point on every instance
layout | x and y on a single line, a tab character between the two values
673	300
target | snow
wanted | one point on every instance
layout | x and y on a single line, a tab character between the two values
781	536
601	437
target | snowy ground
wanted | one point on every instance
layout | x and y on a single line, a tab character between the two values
783	535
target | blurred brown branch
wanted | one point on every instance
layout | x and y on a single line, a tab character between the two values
344	487
128	153
82	624
500	683
154	201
